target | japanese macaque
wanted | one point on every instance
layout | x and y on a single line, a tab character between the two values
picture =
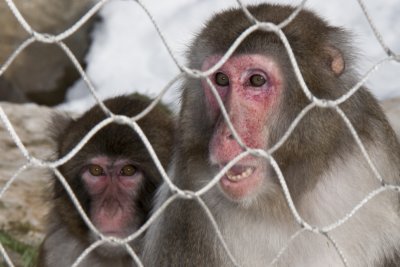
113	177
325	171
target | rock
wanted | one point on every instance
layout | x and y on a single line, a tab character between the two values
42	72
11	94
23	206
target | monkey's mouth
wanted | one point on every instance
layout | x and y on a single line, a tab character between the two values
240	181
237	173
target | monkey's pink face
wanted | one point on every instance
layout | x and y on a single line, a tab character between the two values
249	86
112	186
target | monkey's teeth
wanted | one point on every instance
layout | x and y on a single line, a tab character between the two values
231	176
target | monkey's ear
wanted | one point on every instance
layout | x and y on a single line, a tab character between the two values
335	60
58	126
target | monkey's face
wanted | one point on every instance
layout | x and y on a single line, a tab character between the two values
250	87
113	186
113	178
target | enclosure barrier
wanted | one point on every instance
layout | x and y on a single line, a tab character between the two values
32	161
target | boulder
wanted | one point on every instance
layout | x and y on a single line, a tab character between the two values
42	72
23	206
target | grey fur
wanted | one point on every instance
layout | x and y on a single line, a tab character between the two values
324	169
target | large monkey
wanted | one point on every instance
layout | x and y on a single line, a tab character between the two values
113	177
325	171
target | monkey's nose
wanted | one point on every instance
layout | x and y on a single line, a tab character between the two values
227	134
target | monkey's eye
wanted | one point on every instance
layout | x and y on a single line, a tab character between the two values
257	80
221	79
96	170
128	170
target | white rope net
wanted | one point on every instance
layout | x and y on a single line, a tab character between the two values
32	161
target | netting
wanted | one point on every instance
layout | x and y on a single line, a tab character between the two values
32	161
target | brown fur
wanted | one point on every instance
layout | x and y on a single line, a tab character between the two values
113	141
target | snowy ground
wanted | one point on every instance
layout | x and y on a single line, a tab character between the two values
127	55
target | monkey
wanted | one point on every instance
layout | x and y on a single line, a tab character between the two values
113	177
322	164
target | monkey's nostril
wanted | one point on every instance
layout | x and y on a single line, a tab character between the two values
230	136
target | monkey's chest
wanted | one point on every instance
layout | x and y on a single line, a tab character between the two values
257	244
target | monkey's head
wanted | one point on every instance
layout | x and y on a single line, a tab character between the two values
262	96
113	175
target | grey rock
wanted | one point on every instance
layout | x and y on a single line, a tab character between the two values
24	204
42	72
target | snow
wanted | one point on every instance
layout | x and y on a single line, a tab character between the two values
127	54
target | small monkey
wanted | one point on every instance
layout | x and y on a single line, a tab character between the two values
113	177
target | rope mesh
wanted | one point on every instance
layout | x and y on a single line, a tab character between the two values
32	161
